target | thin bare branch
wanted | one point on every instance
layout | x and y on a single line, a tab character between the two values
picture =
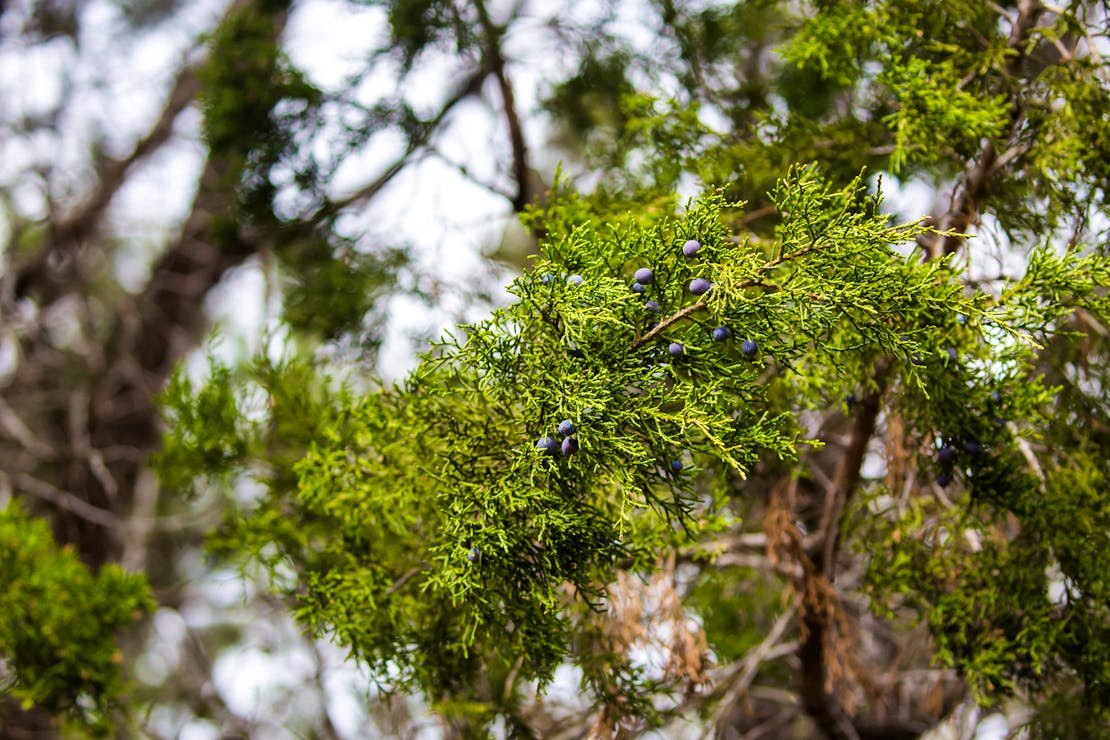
662	325
65	500
770	648
70	233
20	432
408	575
495	61
416	146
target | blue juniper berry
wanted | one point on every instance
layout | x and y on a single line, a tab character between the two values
699	286
548	444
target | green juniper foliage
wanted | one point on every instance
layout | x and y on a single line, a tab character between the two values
450	531
441	541
455	541
59	624
911	425
986	596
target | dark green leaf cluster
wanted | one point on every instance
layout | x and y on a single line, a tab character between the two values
59	622
1023	613
257	107
935	114
942	81
332	288
732	607
587	104
204	429
1025	616
420	25
251	427
261	121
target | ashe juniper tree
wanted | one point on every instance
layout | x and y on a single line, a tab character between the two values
834	467
912	528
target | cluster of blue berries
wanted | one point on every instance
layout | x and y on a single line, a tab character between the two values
698	286
549	278
552	446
